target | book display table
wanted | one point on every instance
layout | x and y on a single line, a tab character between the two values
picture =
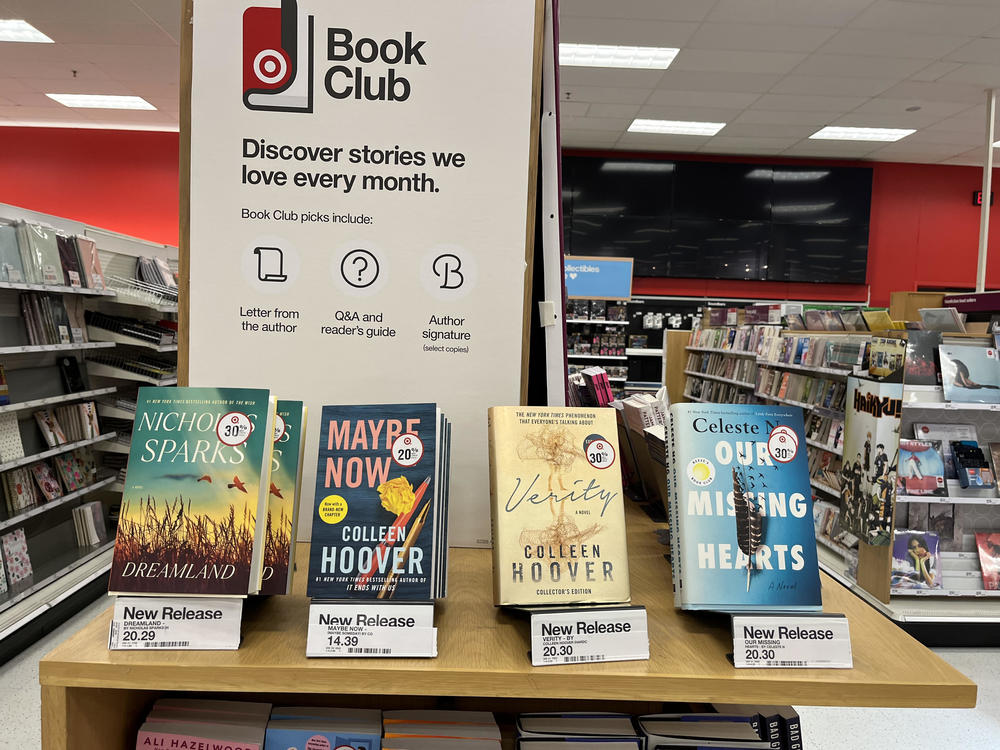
95	698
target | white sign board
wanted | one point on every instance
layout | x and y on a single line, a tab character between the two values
176	623
371	629
586	635
359	190
802	641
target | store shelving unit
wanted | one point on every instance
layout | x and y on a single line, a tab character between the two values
61	569
95	698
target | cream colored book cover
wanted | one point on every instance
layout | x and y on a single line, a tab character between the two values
558	507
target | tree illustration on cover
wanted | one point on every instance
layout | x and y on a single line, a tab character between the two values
749	519
554	446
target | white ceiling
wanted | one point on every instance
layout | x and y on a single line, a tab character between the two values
778	70
774	70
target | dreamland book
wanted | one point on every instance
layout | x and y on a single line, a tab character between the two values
283	497
871	453
380	514
741	509
196	486
558	507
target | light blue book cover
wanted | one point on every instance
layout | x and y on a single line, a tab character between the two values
743	508
318	735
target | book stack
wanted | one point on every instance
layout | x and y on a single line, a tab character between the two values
88	522
309	727
577	731
39	251
825	392
824	468
741	730
15	556
558	508
826	522
196	493
51	319
439	730
43	481
380	510
19	490
742	369
198	723
598	386
740	510
283	497
68	424
826	430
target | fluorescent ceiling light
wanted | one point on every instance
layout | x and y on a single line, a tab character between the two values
637	166
163	128
21	31
675	127
616	56
100	101
786	176
836	133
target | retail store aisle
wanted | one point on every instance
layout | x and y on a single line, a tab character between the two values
823	728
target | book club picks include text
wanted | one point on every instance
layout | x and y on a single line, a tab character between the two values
558	507
380	514
195	501
741	509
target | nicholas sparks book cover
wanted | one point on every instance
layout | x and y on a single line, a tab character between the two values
558	507
198	473
742	509
283	497
376	511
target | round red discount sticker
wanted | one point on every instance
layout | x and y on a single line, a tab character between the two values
407	450
783	444
234	428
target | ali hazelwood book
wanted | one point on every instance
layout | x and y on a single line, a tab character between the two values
380	503
741	509
196	486
558	507
283	496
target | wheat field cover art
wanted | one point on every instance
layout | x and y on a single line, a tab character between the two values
190	501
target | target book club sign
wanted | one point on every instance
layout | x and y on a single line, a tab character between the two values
358	209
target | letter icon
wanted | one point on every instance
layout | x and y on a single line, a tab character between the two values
270	264
446	267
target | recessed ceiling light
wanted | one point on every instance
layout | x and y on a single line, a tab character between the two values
21	31
100	101
675	127
836	133
637	166
616	56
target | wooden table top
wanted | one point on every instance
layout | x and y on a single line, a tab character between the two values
483	652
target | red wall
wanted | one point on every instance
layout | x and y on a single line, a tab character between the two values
123	180
924	233
924	228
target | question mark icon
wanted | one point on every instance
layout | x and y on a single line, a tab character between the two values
359	268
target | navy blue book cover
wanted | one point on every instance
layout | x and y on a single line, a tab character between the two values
373	513
744	508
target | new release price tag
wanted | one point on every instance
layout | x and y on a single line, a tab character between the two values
192	623
813	641
371	629
575	636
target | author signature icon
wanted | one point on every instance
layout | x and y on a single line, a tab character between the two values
270	264
359	268
446	267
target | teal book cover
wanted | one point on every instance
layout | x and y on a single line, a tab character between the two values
283	496
198	473
743	508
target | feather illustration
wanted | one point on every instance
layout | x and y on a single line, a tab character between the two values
749	523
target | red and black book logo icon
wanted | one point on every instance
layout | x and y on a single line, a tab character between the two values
277	58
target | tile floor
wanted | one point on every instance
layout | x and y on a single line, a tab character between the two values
823	728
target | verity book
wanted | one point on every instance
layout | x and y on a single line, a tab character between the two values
283	497
741	509
558	507
380	508
198	475
871	455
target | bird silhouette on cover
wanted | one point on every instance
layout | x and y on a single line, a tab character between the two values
749	523
205	478
237	484
276	491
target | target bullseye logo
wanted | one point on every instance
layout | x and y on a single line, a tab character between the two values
270	66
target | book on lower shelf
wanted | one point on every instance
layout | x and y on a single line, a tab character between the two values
740	509
196	486
380	509
15	556
558	506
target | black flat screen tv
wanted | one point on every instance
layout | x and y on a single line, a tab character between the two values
718	220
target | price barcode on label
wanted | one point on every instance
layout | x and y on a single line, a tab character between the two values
168	644
585	657
370	651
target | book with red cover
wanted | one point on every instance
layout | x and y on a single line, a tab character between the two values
988	545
